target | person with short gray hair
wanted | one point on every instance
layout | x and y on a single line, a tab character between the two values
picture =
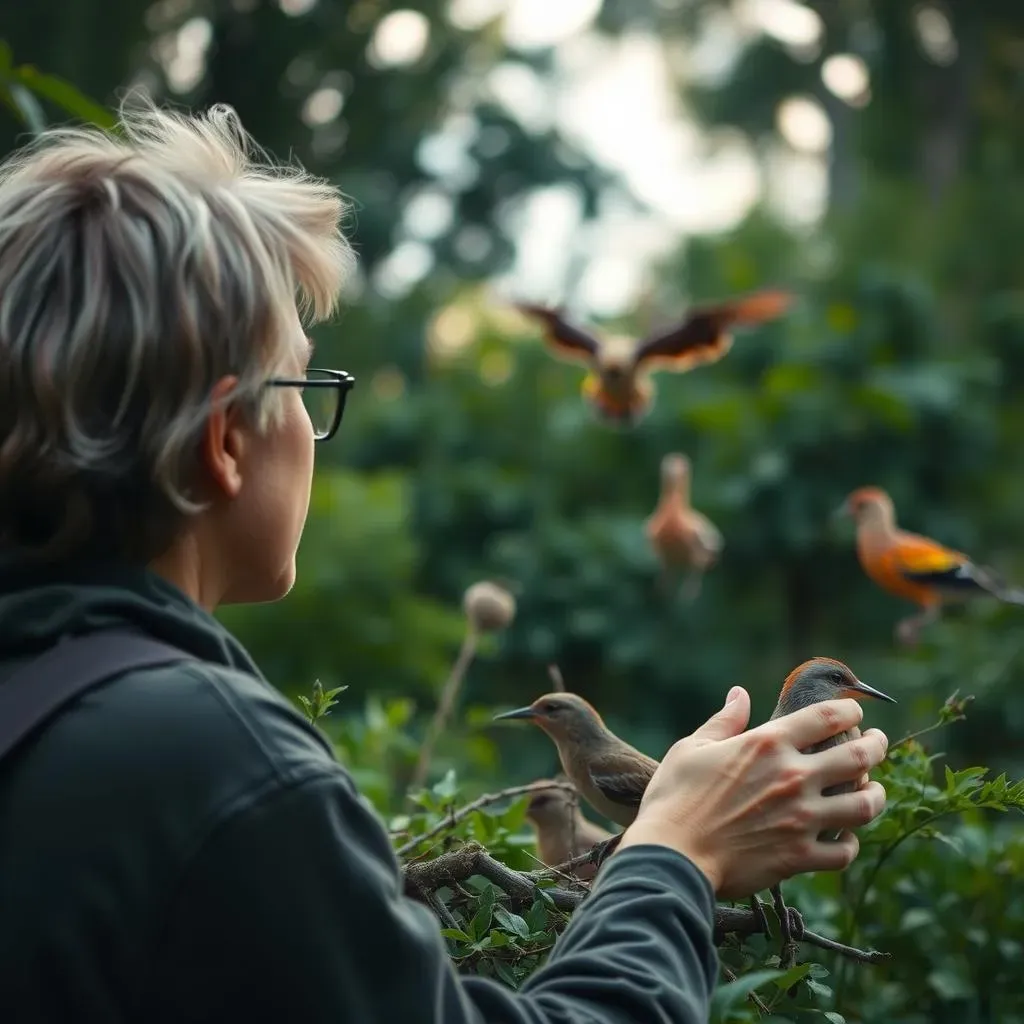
177	842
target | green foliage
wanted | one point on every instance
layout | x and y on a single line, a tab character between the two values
933	888
901	366
355	610
320	704
23	86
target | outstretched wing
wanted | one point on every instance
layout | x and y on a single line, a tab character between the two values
562	337
704	335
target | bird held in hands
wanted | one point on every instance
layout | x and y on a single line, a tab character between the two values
561	830
606	771
618	383
680	536
825	679
914	567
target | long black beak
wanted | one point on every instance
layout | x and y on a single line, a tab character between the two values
870	691
526	712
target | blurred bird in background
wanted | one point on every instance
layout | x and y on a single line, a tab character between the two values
681	537
618	383
916	568
561	830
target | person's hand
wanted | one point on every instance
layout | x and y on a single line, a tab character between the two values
747	807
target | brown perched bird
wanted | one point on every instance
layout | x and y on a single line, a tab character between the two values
561	830
916	568
680	536
606	771
618	384
612	776
824	679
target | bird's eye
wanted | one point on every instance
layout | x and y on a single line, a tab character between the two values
552	708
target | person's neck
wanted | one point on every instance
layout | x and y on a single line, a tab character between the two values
182	564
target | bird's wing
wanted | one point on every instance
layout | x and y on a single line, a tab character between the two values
703	336
564	339
622	779
708	534
921	560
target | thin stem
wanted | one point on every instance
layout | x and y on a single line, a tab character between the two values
444	707
556	678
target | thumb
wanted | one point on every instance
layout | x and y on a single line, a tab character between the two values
730	721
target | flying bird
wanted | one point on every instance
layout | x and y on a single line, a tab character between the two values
562	832
917	568
618	382
681	537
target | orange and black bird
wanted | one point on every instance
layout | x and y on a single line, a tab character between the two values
917	568
618	382
681	537
562	832
824	679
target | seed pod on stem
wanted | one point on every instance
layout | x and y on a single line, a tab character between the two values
489	608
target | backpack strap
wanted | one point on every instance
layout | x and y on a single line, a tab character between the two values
39	689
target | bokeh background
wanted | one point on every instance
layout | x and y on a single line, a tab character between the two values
628	158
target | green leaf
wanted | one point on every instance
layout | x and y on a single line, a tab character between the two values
537	916
455	933
726	996
27	106
512	922
481	922
446	788
64	95
792	976
504	972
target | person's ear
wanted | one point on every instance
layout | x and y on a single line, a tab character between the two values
223	441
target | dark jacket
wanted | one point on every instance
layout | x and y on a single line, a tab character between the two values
180	845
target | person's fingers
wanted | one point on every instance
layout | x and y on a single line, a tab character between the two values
849	762
832	856
818	722
730	721
850	810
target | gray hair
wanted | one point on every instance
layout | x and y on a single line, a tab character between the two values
136	269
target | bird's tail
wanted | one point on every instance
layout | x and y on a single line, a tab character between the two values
1011	595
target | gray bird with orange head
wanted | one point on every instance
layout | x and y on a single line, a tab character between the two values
825	679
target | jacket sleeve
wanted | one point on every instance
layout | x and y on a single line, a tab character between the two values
293	910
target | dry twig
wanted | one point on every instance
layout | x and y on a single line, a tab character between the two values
451	820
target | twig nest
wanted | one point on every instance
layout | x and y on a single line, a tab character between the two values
488	607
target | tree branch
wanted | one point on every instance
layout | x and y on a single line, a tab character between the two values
425	877
453	819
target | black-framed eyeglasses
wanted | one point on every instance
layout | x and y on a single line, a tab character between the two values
323	394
